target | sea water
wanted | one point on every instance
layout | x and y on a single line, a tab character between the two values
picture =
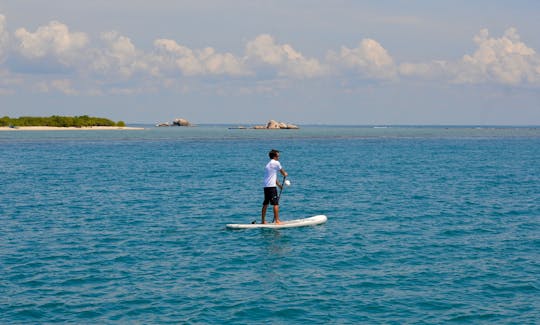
425	225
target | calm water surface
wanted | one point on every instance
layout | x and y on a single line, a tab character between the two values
426	225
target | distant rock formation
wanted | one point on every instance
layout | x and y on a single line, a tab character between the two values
273	125
176	122
181	122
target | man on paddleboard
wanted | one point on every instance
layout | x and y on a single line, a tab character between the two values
270	185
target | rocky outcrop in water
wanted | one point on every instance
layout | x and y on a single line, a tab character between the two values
176	122
181	122
274	125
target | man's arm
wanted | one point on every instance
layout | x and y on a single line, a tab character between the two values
284	173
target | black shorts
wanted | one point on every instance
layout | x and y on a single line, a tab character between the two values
270	196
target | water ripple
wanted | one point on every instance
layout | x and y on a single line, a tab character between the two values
421	229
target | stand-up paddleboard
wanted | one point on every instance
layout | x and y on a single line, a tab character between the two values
311	221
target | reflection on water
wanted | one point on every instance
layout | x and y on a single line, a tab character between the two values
275	242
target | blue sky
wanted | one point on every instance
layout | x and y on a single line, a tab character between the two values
304	62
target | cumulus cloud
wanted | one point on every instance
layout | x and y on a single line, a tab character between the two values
119	47
53	40
369	59
190	62
53	47
505	60
114	59
118	56
288	62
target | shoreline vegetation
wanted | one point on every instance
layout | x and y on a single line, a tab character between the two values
56	122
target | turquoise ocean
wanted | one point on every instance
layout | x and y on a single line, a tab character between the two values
425	225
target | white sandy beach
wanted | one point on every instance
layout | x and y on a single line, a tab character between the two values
54	128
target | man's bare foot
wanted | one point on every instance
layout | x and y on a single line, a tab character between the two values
278	222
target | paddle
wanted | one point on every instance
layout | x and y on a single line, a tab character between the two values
279	195
281	189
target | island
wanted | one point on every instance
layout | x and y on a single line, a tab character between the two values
176	122
56	122
271	125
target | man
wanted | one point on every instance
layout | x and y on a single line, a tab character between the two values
270	183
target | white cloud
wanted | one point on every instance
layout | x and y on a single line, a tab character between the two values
369	59
56	43
4	38
504	60
118	57
171	55
264	49
289	63
114	59
53	40
119	47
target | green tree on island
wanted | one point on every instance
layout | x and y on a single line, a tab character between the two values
59	121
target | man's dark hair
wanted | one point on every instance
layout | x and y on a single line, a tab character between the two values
273	153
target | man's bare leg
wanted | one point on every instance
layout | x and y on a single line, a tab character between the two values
276	214
263	213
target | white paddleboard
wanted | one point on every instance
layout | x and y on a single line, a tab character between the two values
311	221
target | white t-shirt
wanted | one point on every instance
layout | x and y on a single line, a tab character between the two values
270	173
